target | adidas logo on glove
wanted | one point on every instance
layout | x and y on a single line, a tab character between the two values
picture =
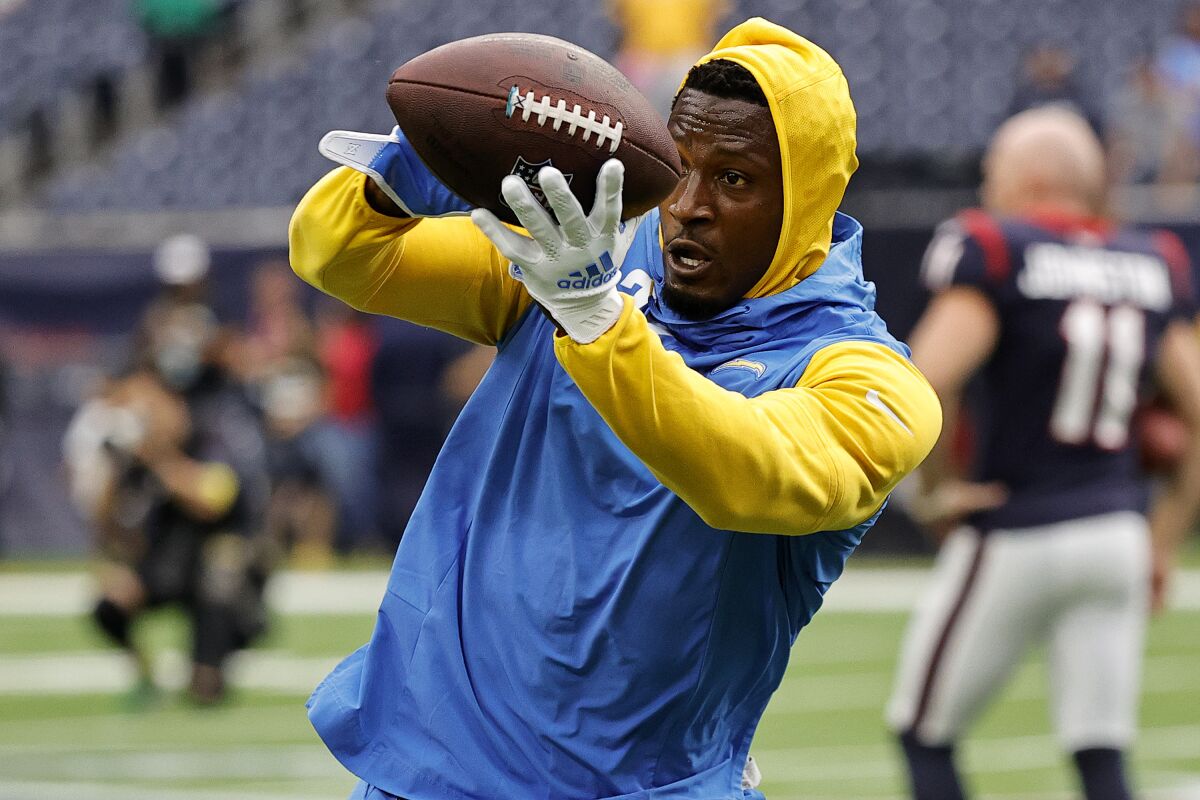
593	278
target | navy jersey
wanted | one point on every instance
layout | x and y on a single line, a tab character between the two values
1082	308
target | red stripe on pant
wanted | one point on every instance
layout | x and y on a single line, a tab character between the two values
939	651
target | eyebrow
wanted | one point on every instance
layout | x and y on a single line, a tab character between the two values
741	148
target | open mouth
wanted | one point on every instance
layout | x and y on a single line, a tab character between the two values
687	257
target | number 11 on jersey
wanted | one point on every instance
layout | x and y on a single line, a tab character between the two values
1098	389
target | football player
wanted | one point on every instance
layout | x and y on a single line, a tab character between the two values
1061	316
657	479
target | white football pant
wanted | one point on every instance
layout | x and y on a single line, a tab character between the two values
1080	586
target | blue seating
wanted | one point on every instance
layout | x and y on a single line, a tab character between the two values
47	46
930	77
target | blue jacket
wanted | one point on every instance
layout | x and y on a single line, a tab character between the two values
558	624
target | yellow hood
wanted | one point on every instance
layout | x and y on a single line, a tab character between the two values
815	121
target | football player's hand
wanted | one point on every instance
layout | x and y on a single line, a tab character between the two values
950	502
1162	565
393	165
572	266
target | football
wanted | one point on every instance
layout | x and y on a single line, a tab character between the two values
479	109
1162	437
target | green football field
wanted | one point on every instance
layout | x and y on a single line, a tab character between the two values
67	729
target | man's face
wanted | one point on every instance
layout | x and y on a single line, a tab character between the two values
721	225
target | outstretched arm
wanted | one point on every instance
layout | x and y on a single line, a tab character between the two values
820	456
442	273
952	340
1175	509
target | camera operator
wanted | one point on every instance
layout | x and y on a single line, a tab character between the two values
180	496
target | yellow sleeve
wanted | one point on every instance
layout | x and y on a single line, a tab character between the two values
442	273
820	456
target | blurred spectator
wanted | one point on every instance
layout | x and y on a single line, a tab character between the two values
1146	129
278	360
103	93
463	374
661	39
181	264
39	145
1180	56
278	327
176	29
302	514
1048	78
169	464
1179	65
346	349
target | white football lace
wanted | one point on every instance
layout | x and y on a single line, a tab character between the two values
546	109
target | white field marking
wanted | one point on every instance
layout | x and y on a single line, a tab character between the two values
800	765
84	790
243	762
871	589
70	594
1188	791
236	717
102	672
1165	674
898	589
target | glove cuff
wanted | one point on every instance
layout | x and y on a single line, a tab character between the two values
395	168
586	319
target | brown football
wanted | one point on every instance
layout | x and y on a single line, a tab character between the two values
482	108
1162	436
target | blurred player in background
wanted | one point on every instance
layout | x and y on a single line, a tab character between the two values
1049	78
580	606
169	465
1062	316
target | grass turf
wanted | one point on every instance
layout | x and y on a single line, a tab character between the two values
822	737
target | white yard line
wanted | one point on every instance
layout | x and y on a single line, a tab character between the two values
803	765
859	590
86	790
243	763
83	774
70	594
101	672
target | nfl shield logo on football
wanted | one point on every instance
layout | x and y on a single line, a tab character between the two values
527	171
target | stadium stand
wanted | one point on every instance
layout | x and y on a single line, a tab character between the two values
931	79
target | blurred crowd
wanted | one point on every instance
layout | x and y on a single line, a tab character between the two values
1150	119
219	451
1151	123
347	410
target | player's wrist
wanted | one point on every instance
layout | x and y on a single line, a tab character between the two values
586	319
380	203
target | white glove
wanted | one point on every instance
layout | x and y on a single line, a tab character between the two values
396	168
571	268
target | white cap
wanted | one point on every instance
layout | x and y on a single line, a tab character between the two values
181	260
